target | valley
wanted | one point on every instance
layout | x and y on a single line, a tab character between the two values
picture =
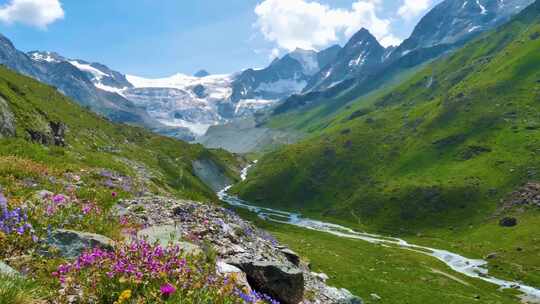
347	170
277	222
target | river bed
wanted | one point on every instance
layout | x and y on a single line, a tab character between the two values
474	268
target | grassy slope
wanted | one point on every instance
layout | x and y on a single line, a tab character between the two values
93	142
396	275
418	161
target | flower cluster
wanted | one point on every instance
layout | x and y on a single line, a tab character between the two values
13	221
149	273
255	297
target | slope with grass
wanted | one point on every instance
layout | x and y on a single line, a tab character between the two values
41	125
436	154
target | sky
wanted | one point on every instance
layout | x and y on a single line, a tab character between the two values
158	38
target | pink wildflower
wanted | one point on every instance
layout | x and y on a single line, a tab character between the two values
167	290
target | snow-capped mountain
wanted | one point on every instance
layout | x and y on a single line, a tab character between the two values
76	82
363	65
182	106
180	100
360	55
285	76
455	21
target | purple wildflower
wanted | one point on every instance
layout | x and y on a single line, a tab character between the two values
167	290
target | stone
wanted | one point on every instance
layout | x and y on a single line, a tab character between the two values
71	244
6	270
340	296
284	283
508	222
375	297
491	256
291	256
233	272
7	120
168	234
323	277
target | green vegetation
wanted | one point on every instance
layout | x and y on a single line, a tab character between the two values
432	159
93	142
396	275
63	167
17	290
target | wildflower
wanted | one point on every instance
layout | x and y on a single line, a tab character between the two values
167	290
114	194
59	199
124	296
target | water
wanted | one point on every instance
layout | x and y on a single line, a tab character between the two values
474	268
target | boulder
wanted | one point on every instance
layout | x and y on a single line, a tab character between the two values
235	273
508	222
168	234
282	282
71	244
6	270
340	296
292	256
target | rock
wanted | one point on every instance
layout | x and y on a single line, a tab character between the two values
7	120
6	270
232	271
284	283
211	174
375	297
168	234
323	277
340	296
291	256
508	222
491	256
70	244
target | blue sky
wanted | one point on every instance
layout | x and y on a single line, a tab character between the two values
158	38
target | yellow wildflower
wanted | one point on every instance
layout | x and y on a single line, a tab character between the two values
124	296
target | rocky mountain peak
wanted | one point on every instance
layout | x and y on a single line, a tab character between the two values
40	56
201	73
455	21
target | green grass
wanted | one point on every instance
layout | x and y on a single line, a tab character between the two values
396	275
18	290
94	142
435	155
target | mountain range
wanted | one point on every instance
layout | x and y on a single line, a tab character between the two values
185	106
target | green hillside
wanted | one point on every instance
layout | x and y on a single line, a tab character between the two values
436	154
91	141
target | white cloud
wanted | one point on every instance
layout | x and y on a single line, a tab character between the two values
310	24
411	9
38	13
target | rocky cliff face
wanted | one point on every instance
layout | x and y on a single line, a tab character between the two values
455	21
361	55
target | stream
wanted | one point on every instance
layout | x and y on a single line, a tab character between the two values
474	268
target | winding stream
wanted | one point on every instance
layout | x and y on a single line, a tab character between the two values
474	268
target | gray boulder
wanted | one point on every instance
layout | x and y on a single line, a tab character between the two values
6	270
292	256
7	120
284	283
168	234
341	296
71	244
232	271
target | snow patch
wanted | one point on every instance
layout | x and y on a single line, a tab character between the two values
98	75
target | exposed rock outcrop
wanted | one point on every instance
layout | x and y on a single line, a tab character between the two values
252	255
71	244
7	120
